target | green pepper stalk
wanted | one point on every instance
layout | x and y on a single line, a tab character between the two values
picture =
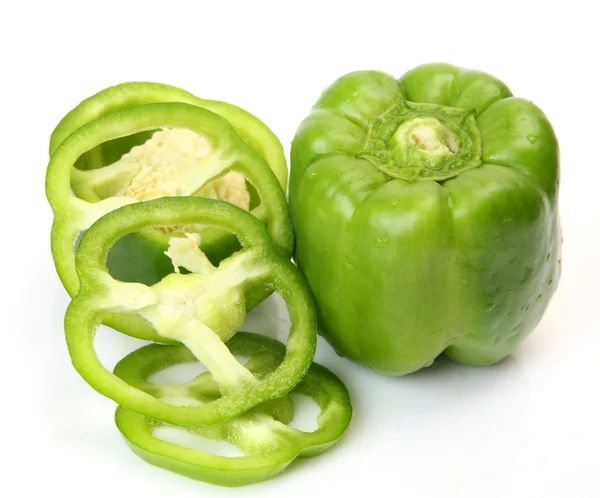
202	309
262	434
426	216
206	150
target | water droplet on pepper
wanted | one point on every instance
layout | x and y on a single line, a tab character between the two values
381	241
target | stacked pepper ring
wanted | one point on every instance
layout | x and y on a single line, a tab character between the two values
201	309
197	153
268	444
131	94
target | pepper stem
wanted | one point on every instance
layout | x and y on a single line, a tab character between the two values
419	141
428	135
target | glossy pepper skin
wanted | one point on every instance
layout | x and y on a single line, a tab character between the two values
426	216
79	196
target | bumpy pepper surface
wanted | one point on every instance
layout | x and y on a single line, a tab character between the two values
195	152
267	444
426	216
202	309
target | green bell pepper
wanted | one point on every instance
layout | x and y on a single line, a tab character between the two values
426	216
195	152
201	308
268	444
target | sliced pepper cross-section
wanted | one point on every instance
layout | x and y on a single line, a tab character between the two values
191	151
131	94
201	308
268	444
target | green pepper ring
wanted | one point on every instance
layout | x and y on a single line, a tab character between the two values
126	122
130	94
88	307
319	384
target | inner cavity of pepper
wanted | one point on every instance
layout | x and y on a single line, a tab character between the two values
167	164
164	160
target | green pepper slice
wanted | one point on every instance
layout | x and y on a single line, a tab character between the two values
201	309
131	94
261	433
79	197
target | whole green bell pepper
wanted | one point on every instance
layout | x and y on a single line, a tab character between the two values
268	444
195	152
426	216
201	308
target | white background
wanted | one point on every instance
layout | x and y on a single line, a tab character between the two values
528	427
